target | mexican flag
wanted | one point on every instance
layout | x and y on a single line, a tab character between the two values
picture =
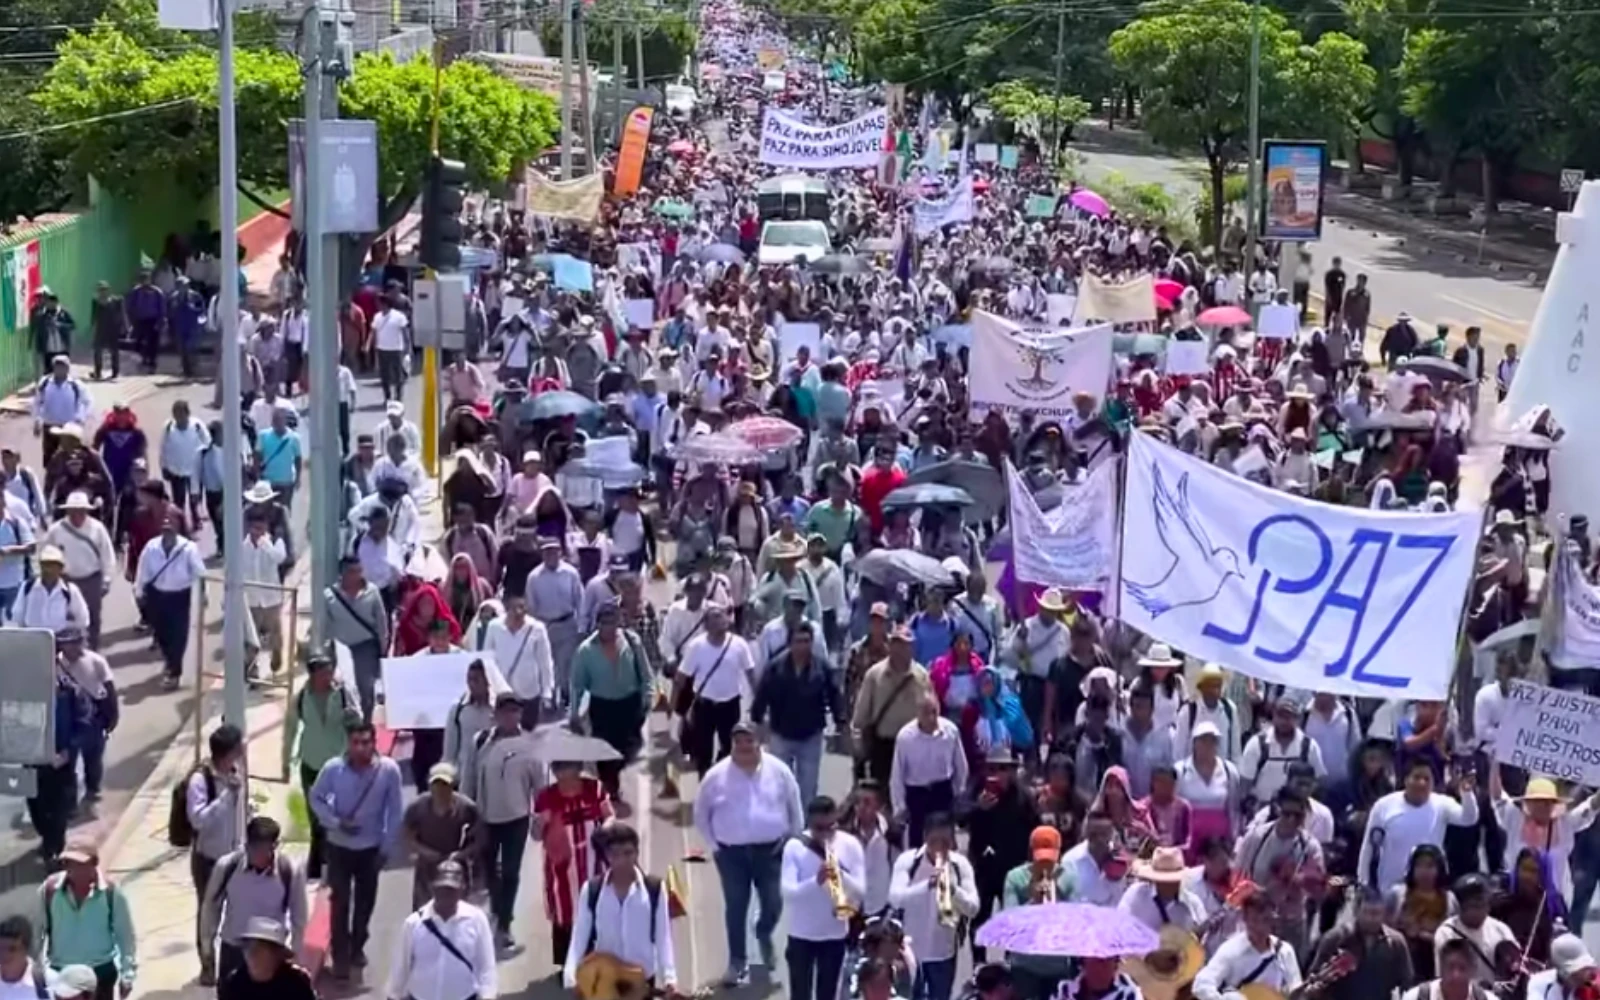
19	283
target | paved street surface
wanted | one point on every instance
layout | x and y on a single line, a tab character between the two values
1433	287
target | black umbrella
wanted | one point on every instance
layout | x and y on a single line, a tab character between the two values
926	495
557	404
978	480
841	263
890	567
1436	369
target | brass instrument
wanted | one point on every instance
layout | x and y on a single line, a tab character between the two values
843	909
945	893
1044	887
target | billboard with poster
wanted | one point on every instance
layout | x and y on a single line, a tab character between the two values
1293	172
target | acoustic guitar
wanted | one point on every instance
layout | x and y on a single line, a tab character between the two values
602	976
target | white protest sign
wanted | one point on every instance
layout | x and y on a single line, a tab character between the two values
1576	640
1279	322
1550	732
1289	590
641	313
786	141
932	214
986	152
1251	461
1059	306
1015	368
608	452
419	691
1074	544
793	336
1187	357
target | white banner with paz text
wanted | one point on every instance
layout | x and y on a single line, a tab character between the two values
1550	732
933	214
1296	592
786	141
1073	545
1016	368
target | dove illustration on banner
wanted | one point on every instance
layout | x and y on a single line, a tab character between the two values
1199	570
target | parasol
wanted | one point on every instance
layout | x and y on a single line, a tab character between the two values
992	265
891	567
1088	201
926	495
671	208
558	744
680	147
718	449
723	253
979	480
841	263
1075	930
766	433
1436	369
556	404
1166	288
878	244
1223	316
612	477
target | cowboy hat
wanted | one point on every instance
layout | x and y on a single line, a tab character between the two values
72	430
78	500
261	492
1052	600
1300	391
783	548
266	930
1160	655
1165	865
1504	518
1162	973
1541	790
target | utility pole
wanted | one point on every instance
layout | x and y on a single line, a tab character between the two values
1061	65
638	61
566	89
619	78
321	102
585	106
233	607
1252	181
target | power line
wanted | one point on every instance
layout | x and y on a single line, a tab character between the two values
110	116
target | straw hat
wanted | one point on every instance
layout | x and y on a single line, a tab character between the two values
1541	790
1161	974
1160	655
1165	865
1052	600
78	500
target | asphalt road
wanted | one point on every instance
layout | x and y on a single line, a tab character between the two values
1433	287
151	716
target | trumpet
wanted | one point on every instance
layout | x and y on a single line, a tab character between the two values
1043	889
843	909
945	894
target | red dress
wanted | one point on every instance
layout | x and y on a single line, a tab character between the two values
569	857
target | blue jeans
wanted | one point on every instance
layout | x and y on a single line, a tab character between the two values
743	869
804	758
94	759
935	980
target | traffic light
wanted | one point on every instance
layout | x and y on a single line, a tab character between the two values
442	201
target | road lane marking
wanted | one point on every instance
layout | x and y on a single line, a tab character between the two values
1485	310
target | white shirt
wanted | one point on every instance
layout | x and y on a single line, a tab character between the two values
1139	901
425	969
738	807
717	681
63	402
181	448
1264	765
1488	711
880	857
1563	835
523	656
911	889
678	626
1318	825
261	558
1488	936
38	606
1223	715
922	759
1405	827
169	571
386	430
621	927
389	331
86	548
808	904
382	562
1220	791
24	988
89	671
1237	958
1337	735
1090	884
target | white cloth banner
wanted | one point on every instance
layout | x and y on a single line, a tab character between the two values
1292	591
419	691
786	141
932	214
1551	732
1187	357
1575	643
1016	368
1074	545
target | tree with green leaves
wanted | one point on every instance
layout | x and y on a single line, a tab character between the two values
1027	107
1192	67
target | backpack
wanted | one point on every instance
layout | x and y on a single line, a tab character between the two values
53	886
77	390
180	832
1266	752
285	869
1227	709
652	887
338	689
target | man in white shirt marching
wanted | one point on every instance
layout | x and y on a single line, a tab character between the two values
1251	957
60	400
168	568
262	554
915	889
182	442
521	648
1401	821
1095	863
822	869
446	948
392	339
711	682
746	810
1267	756
624	916
684	620
930	768
51	601
91	559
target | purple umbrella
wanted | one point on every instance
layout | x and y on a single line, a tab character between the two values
1090	202
1076	930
